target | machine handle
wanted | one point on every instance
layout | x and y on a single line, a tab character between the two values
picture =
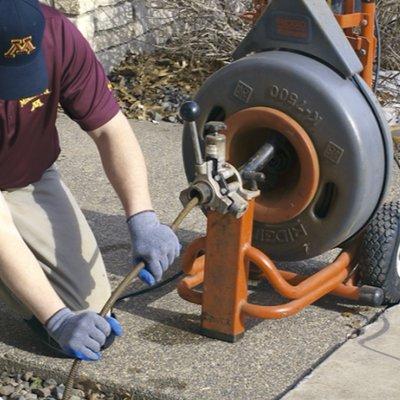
190	112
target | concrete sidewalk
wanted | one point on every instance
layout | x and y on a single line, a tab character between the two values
367	367
161	355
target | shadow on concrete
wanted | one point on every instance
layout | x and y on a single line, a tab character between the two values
177	326
18	335
260	292
113	238
177	321
367	338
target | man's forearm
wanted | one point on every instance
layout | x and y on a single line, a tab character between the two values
21	272
124	164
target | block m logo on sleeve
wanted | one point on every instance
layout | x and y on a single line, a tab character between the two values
20	46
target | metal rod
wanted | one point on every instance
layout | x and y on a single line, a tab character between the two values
263	156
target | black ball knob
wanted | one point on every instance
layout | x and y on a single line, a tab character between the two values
190	111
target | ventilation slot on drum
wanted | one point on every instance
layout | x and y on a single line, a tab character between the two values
216	114
325	201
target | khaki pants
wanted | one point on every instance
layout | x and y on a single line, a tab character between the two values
54	228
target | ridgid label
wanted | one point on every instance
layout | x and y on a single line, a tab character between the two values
276	236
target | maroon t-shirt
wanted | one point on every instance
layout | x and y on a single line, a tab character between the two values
29	141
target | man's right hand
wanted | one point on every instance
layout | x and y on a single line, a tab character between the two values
81	335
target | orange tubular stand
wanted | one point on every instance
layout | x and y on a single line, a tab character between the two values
220	262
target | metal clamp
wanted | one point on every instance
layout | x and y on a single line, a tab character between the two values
218	184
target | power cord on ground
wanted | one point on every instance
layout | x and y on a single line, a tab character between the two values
150	289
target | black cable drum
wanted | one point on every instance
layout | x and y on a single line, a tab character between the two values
352	147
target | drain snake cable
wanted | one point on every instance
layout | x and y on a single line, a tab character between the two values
118	292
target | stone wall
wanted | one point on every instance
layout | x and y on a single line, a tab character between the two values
107	24
114	27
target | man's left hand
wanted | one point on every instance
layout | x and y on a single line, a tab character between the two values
154	243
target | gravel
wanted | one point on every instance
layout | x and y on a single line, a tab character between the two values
27	386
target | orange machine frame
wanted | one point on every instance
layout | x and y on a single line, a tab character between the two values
359	28
220	261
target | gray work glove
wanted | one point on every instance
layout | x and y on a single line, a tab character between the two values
154	243
81	335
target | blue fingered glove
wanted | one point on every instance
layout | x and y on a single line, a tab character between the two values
154	243
81	335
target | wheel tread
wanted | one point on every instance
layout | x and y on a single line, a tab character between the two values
378	251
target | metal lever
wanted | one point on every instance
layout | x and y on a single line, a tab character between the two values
190	112
254	178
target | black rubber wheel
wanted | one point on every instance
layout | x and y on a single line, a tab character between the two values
379	258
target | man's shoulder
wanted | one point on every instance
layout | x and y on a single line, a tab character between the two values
57	23
50	13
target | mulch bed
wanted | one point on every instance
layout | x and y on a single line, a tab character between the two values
153	86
